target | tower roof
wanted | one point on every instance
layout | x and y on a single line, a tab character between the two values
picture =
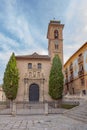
55	22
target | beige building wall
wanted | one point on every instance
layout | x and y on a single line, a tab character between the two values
76	72
33	78
2	95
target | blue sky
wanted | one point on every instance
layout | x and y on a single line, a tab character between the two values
24	23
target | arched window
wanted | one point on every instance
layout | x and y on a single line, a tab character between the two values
56	34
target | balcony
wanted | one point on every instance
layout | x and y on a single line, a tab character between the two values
71	78
71	67
81	73
66	81
80	59
66	71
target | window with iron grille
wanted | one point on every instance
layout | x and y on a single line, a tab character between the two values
29	65
39	65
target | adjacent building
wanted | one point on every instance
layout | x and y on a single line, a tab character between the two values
2	94
34	69
75	72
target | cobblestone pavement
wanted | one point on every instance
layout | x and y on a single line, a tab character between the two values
40	122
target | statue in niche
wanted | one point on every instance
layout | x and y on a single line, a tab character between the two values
34	74
30	74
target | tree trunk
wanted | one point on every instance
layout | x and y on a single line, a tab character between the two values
7	103
13	108
58	103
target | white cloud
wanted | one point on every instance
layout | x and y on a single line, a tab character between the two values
71	10
7	46
19	26
75	27
7	40
31	38
17	23
69	50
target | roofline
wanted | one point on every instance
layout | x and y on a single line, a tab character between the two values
27	58
75	53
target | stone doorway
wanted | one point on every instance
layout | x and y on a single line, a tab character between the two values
34	93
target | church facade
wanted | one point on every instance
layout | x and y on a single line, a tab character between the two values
34	69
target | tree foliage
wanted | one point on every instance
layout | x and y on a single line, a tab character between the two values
11	77
56	79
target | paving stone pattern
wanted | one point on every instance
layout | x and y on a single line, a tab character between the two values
74	119
40	122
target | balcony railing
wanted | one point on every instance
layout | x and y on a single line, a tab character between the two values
71	67
81	73
80	59
66	71
66	81
71	78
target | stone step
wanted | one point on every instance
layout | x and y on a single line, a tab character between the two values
77	118
84	112
78	108
30	105
81	109
78	113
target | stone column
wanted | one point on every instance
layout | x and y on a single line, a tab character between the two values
26	89
41	92
43	81
25	92
46	108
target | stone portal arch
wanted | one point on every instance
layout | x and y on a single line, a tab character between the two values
34	93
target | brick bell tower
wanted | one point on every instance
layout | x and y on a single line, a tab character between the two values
55	39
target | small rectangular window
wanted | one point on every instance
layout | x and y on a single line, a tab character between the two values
29	65
39	66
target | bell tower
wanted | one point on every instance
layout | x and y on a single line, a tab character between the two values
55	39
